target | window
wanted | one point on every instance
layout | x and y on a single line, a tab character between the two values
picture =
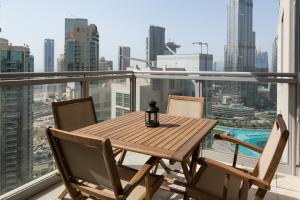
119	99
126	100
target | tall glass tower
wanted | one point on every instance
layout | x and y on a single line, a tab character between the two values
49	55
16	120
81	45
124	58
240	49
155	42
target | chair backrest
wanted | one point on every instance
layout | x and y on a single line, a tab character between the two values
84	158
186	106
74	114
271	155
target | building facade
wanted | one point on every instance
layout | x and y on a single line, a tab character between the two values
105	65
49	89
81	45
60	63
48	55
261	61
240	49
155	43
124	58
16	120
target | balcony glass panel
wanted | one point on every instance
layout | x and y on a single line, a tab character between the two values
25	113
245	111
111	98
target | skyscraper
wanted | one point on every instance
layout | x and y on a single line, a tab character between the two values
16	120
49	55
240	49
124	58
81	45
261	61
49	65
155	43
70	23
60	63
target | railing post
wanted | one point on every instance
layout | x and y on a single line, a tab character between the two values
292	124
84	87
132	93
199	88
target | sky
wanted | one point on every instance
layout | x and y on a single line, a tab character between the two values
126	23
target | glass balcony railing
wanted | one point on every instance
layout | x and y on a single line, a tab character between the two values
245	105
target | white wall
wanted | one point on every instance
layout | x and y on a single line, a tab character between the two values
286	63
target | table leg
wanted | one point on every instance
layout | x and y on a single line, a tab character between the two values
186	172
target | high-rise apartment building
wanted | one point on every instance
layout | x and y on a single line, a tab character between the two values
16	120
60	88
60	62
155	43
49	65
240	49
124	58
81	45
261	61
49	55
70	23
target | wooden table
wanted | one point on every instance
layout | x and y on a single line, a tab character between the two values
175	139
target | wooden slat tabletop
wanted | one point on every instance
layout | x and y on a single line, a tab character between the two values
174	139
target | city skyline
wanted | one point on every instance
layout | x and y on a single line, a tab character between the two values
129	23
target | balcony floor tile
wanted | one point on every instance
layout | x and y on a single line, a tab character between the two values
284	187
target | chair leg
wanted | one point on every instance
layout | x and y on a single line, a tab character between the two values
185	196
63	194
260	194
166	168
121	159
155	169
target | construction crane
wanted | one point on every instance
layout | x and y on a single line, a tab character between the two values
202	44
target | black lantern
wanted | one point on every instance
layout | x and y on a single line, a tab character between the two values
151	115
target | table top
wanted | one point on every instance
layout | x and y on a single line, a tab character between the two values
174	139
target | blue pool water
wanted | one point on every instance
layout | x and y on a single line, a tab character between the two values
255	137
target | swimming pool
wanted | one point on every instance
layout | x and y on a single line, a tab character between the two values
256	137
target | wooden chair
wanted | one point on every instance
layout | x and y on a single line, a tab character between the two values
74	114
184	106
215	180
88	169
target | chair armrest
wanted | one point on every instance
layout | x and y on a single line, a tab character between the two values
234	172
117	151
234	140
140	175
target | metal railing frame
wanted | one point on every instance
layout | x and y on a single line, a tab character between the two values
33	78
